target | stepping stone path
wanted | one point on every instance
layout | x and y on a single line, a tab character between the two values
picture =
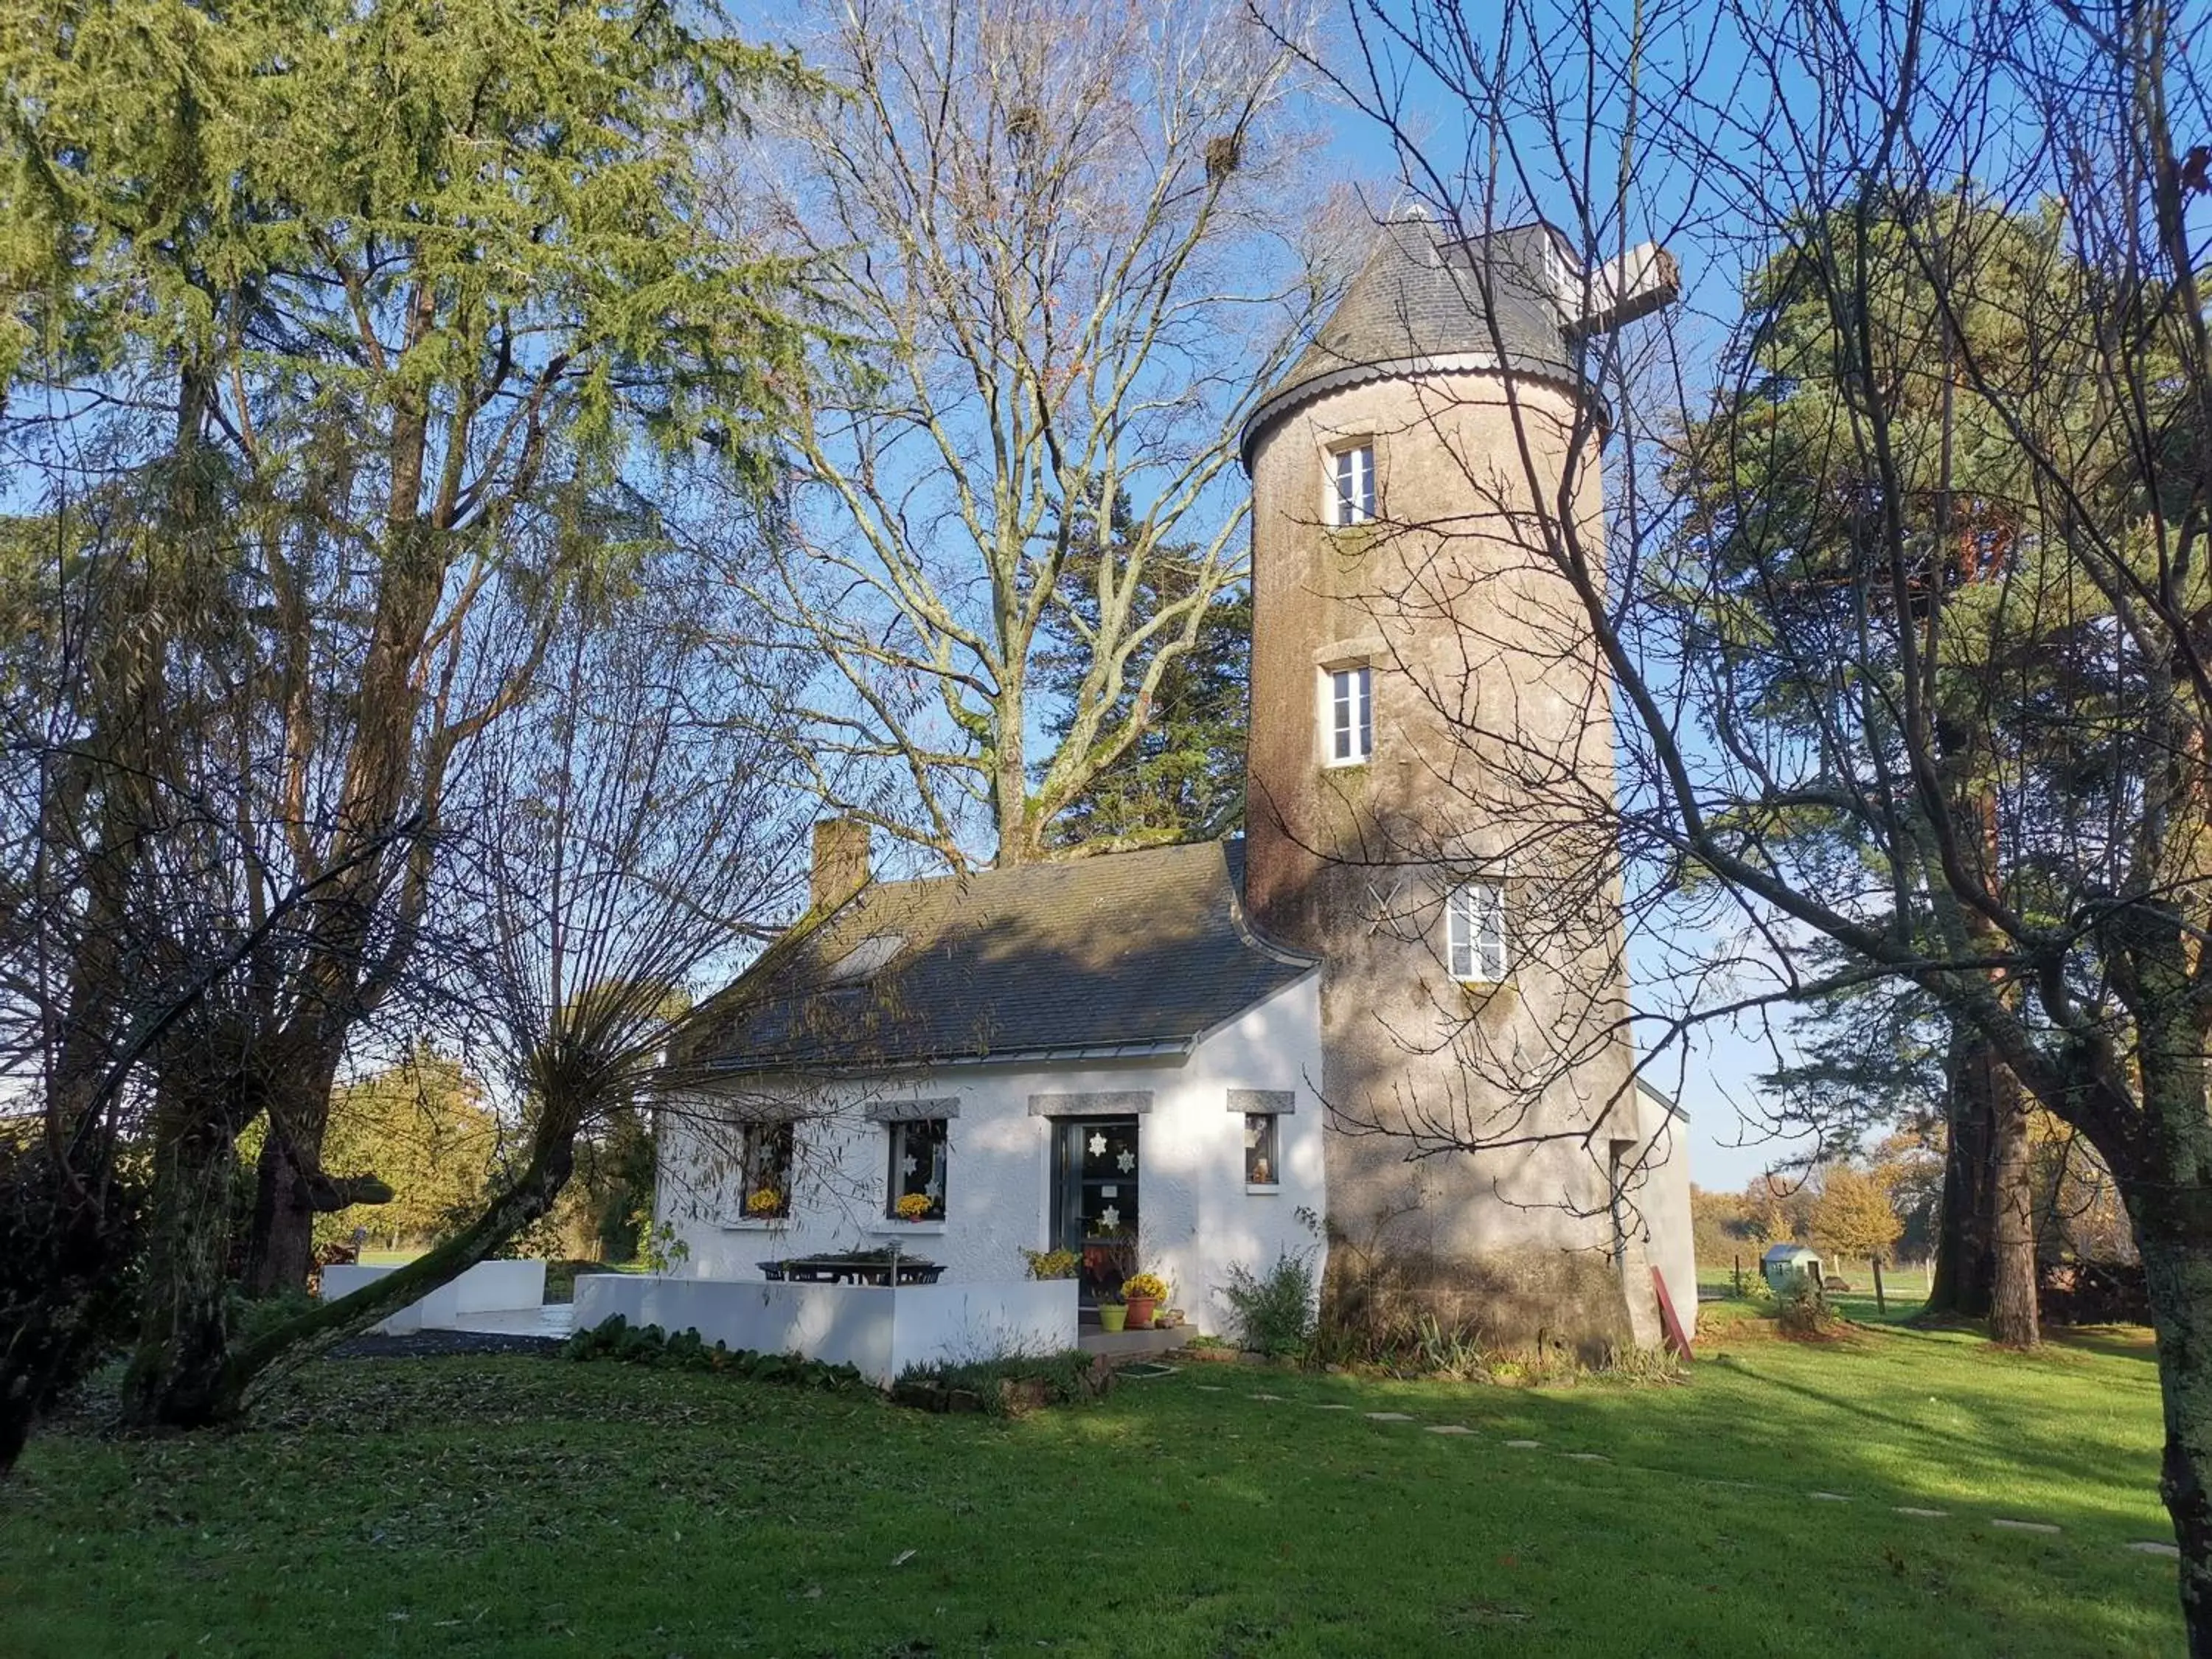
1212	1388
1925	1515
1449	1428
1524	1445
2149	1546
1388	1417
1827	1498
1590	1457
1277	1398
1320	1408
2023	1526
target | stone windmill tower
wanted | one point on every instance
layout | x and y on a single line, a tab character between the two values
1428	770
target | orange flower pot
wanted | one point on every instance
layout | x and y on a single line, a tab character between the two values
1140	1312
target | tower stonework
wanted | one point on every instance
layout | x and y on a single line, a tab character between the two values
1436	828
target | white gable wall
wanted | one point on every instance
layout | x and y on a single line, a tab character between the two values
1196	1216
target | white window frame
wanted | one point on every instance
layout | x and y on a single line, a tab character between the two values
1351	484
896	1133
1347	714
1263	1132
1476	937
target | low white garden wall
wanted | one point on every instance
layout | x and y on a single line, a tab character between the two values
487	1287
880	1331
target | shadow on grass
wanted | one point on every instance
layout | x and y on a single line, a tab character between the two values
1169	1520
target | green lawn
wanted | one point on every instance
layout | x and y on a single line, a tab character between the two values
528	1506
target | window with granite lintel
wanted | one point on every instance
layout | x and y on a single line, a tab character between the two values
1262	1110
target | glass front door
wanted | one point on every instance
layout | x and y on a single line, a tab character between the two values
1094	1198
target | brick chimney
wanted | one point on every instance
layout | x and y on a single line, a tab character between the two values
841	861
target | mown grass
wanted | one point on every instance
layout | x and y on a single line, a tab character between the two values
528	1506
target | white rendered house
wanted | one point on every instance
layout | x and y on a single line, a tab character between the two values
1098	1056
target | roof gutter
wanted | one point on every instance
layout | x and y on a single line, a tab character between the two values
1170	1047
1291	399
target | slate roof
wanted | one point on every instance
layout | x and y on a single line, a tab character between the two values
1421	296
1140	952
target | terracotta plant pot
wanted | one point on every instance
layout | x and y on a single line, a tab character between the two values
1111	1315
1140	1312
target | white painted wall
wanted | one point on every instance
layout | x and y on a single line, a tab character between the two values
1196	1216
881	1330
487	1287
1660	1193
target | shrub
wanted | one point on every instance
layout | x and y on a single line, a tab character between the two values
649	1344
1273	1313
1803	1310
1006	1387
1453	1355
660	1249
254	1316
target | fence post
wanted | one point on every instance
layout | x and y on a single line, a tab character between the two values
1880	1303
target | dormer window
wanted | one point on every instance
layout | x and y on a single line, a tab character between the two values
1352	501
1348	715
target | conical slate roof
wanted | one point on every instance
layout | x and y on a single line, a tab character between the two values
1428	299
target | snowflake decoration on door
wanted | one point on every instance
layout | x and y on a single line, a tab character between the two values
1126	1162
907	1165
1109	1217
1098	1144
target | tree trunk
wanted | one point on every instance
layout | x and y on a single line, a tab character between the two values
1960	1282
281	1251
175	1374
2178	1273
2013	1315
70	1243
551	1163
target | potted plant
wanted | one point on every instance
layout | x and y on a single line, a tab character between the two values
1112	1314
765	1204
912	1207
1143	1292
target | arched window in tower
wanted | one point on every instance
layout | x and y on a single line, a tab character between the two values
1347	713
1352	500
1475	932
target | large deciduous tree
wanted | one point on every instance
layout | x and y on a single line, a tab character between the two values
618	843
1074	242
1852	1215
